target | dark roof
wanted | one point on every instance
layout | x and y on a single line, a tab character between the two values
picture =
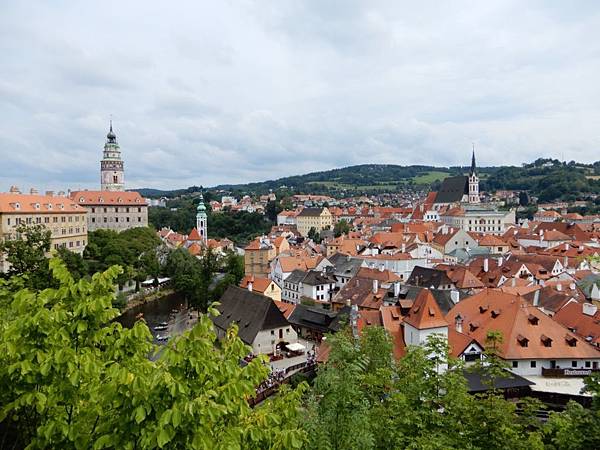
296	276
453	189
311	212
251	311
426	277
345	265
477	382
318	319
442	296
314	278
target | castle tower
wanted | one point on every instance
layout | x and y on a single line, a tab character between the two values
201	217
473	181
112	174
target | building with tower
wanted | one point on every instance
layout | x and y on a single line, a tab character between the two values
458	205
112	208
112	173
473	181
201	219
463	189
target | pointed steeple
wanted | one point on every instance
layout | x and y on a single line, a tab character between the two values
473	166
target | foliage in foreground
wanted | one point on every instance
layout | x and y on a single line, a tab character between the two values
71	377
364	399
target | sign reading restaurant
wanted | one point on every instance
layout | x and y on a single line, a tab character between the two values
567	372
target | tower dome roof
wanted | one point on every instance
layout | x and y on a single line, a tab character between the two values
111	136
201	206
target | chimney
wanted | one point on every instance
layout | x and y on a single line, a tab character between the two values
589	309
536	298
33	191
50	193
572	286
348	302
454	296
14	190
514	282
500	261
559	287
250	283
486	265
458	322
381	268
567	247
403	247
375	286
397	289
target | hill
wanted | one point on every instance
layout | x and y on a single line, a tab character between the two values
544	178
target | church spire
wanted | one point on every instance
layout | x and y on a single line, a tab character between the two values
473	166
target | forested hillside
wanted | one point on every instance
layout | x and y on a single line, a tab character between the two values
544	178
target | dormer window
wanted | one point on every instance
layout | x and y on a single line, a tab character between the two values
101	199
482	309
81	200
571	341
120	200
17	205
495	313
49	205
473	326
533	320
61	206
522	340
546	341
36	206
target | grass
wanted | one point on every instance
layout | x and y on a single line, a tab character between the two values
430	177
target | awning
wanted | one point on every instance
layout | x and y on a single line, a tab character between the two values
565	386
295	347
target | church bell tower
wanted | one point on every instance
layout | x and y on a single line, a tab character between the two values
112	174
473	181
201	220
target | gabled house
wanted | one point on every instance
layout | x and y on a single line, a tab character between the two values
261	324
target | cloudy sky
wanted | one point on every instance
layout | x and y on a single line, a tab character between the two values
237	91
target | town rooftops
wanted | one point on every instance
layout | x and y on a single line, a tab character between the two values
16	203
527	332
111	198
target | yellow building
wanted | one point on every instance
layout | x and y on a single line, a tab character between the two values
257	257
263	286
317	218
65	219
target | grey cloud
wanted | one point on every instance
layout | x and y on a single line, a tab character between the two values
209	93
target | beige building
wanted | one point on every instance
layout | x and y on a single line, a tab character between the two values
64	218
257	257
113	210
479	219
317	218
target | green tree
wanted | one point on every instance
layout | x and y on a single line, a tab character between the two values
74	262
272	209
342	227
72	377
26	254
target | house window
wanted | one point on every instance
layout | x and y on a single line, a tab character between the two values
573	363
515	364
533	364
588	364
272	332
